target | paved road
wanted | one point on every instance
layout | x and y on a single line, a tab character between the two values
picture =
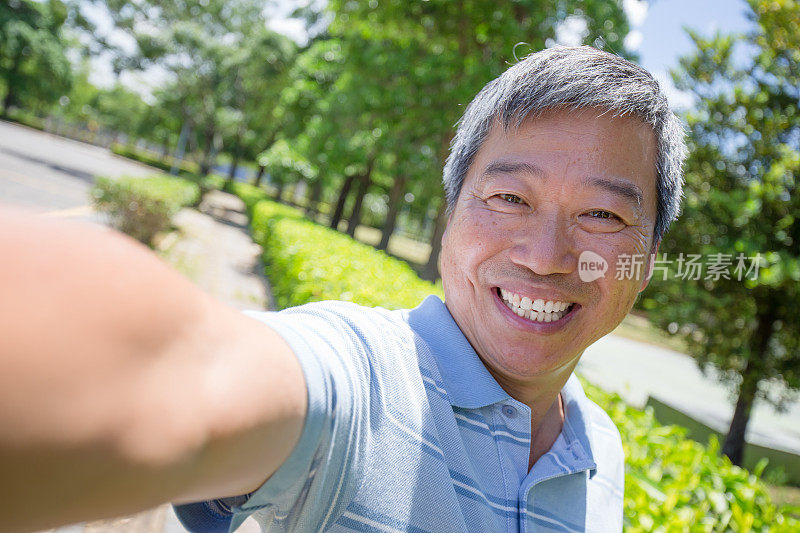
48	173
636	370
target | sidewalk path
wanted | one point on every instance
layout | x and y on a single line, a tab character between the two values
636	370
213	248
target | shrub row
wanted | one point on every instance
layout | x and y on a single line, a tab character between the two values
672	482
186	170
147	158
143	207
24	117
308	262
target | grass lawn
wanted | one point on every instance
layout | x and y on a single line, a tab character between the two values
636	327
785	495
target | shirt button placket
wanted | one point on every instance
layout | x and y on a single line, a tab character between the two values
513	458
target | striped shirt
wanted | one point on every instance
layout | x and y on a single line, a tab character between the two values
407	431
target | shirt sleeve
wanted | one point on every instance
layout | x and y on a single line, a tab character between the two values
319	479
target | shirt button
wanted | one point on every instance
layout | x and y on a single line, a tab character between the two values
509	411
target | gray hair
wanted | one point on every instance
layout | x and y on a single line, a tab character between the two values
573	78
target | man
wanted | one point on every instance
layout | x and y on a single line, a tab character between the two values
454	416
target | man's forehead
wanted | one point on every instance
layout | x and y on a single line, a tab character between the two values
546	127
503	153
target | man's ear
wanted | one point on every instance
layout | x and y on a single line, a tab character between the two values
650	266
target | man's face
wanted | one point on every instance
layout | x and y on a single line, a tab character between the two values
533	200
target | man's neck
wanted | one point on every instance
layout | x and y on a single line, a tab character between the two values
547	431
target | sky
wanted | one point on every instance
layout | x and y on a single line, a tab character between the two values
657	34
658	26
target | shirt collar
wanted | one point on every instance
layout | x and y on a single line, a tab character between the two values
578	428
468	383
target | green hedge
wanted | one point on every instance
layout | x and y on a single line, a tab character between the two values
143	207
24	117
308	262
211	182
147	158
671	484
251	195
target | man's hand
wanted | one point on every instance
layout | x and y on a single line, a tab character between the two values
123	386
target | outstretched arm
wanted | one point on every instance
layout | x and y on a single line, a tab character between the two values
123	386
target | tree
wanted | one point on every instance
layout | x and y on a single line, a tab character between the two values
34	68
220	59
741	202
408	69
256	75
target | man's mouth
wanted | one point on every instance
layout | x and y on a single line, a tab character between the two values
535	310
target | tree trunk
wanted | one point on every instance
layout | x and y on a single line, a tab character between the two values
734	443
355	217
235	158
279	191
431	269
290	194
11	96
337	213
205	164
8	101
395	198
259	176
313	198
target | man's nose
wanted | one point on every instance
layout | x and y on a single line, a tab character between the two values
544	245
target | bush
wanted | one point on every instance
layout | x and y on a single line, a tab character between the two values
24	117
143	207
671	483
165	164
308	262
211	182
250	195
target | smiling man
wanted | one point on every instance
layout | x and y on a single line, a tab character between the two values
455	416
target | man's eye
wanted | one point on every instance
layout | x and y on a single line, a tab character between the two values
510	198
598	213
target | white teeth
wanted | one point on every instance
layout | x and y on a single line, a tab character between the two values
537	310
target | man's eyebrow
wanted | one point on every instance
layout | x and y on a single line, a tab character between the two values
617	186
512	167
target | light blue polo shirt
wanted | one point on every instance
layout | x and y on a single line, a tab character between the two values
407	431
